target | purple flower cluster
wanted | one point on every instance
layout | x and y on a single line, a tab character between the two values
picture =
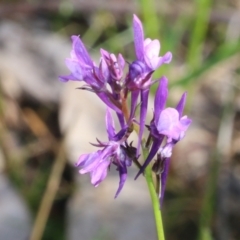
108	81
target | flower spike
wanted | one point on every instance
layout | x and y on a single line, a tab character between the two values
119	91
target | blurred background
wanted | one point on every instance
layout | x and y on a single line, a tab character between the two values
46	124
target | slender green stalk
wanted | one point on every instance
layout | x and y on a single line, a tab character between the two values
209	201
150	17
224	52
155	201
49	195
195	52
203	8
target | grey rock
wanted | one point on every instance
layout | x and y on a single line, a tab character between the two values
30	62
95	214
15	219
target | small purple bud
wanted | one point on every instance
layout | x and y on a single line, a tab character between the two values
136	69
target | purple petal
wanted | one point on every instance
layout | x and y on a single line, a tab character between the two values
110	150
164	175
99	173
75	68
181	104
170	125
151	51
154	63
152	48
107	101
166	151
110	124
167	58
104	71
134	98
185	121
168	118
155	146
104	53
121	61
163	60
123	177
119	136
157	62
80	51
143	113
88	162
160	98
136	75
67	78
138	37
121	119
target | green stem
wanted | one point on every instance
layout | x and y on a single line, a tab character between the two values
155	203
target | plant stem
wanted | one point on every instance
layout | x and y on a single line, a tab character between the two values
49	195
155	203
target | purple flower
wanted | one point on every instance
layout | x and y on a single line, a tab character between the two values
108	81
147	50
94	164
140	71
115	66
116	152
96	78
167	123
80	63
